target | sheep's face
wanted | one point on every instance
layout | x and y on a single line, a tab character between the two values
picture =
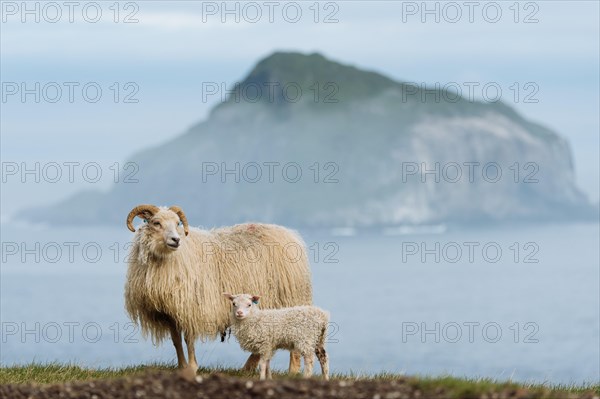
242	305
163	227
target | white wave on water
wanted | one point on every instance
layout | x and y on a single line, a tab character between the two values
408	230
343	231
6	220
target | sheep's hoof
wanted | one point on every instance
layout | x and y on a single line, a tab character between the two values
187	373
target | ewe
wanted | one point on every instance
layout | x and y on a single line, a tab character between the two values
176	275
300	328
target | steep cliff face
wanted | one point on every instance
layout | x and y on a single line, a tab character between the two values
313	143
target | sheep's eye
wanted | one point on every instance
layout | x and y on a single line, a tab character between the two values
157	224
249	305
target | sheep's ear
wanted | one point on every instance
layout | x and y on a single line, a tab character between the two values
228	295
255	299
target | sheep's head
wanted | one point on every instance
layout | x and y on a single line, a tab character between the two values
242	304
162	225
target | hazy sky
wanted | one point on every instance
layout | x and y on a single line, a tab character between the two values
176	46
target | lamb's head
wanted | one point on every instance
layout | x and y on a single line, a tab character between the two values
242	304
163	226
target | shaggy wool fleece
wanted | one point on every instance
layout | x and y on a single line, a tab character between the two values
301	328
186	285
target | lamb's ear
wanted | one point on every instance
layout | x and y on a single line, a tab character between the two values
228	295
255	299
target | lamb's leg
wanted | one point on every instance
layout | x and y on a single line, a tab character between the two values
324	361
294	362
262	364
176	337
309	359
190	341
251	363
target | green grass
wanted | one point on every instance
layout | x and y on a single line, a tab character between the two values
55	373
51	373
454	387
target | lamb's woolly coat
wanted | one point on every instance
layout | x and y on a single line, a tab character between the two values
186	285
301	328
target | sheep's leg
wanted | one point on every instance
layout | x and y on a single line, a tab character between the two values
190	342
176	337
324	361
251	363
269	375
263	364
294	362
308	364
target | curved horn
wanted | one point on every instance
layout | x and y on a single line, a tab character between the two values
179	212
138	210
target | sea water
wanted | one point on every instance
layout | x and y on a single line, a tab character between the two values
518	303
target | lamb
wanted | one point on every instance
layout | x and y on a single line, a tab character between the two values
176	275
301	328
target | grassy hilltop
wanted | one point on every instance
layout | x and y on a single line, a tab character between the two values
160	380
